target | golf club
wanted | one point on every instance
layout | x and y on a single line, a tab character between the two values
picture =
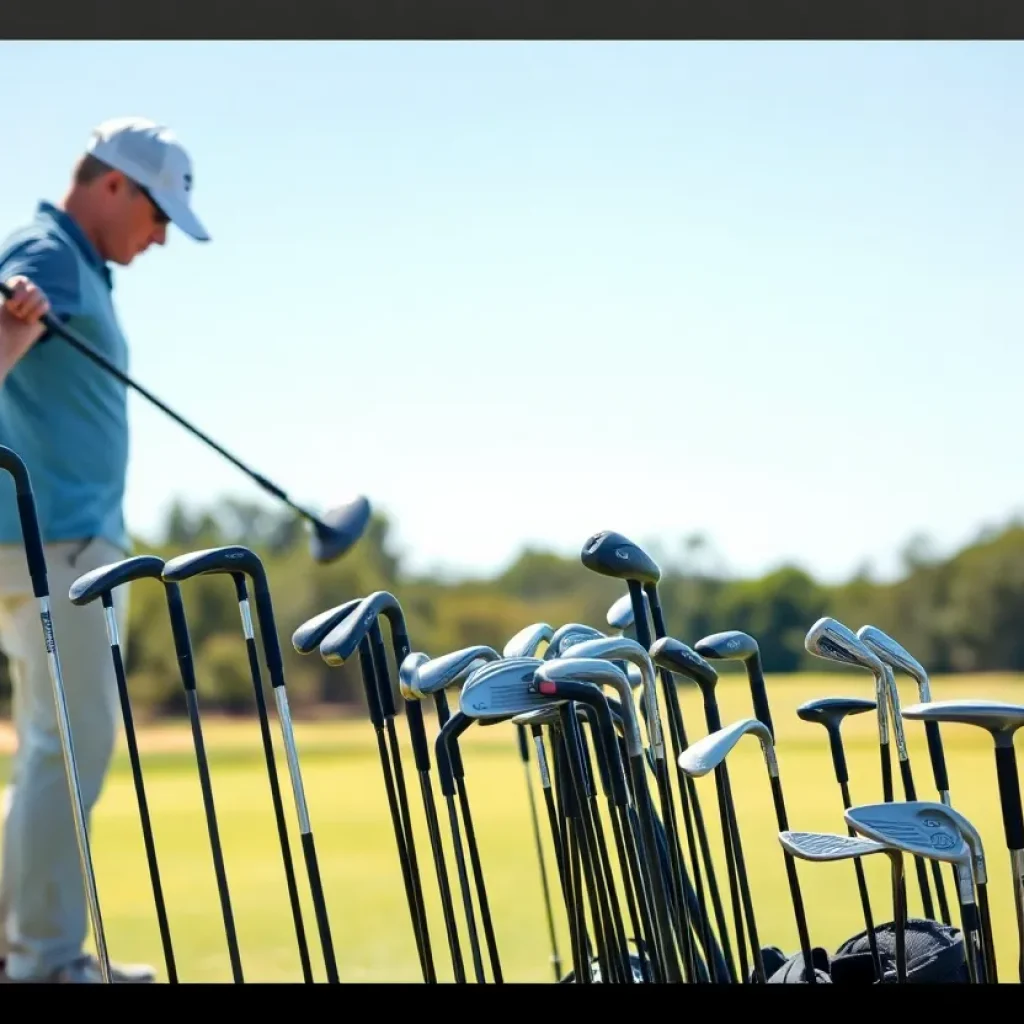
332	535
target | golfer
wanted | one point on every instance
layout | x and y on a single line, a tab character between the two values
67	418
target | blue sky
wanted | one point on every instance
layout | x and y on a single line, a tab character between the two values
517	293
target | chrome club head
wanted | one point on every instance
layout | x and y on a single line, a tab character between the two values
825	846
896	657
620	614
710	751
567	636
525	643
502	689
420	676
998	717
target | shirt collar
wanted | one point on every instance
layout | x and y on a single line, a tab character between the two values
67	224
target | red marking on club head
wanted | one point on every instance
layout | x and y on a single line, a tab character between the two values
548	688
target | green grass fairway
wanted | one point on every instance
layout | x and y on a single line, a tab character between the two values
363	883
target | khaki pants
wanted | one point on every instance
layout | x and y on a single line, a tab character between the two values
43	915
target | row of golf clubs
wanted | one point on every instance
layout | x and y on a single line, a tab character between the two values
665	908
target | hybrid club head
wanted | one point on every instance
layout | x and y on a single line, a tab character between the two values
525	643
503	689
338	530
677	658
896	656
611	554
730	645
106	578
830	711
420	677
998	717
710	751
308	637
824	846
567	636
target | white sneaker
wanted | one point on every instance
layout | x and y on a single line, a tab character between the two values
86	970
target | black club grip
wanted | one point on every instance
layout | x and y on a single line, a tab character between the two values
1009	797
937	755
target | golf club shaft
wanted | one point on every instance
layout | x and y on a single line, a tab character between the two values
862	887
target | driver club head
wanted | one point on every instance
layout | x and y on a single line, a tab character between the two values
338	530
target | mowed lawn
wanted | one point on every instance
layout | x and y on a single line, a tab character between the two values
360	870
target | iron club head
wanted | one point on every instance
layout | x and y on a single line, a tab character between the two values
710	751
525	643
420	676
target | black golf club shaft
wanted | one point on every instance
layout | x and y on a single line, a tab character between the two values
524	755
140	788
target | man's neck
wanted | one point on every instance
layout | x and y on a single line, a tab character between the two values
76	206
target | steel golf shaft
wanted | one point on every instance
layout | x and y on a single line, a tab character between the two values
687	790
524	754
383	683
991	972
275	791
862	887
140	789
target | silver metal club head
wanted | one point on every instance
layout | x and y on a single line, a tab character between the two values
710	751
525	643
920	828
825	846
421	678
600	672
998	717
622	648
569	635
897	657
503	689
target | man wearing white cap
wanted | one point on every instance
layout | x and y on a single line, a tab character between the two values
67	418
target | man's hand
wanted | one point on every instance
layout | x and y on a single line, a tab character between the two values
20	317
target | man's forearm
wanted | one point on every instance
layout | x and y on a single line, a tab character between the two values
15	341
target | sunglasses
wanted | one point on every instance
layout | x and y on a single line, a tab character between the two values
158	214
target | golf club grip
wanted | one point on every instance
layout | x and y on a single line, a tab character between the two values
937	755
1009	796
33	542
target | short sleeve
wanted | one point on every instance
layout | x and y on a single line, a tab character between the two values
51	266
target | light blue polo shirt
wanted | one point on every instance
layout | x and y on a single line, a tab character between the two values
63	414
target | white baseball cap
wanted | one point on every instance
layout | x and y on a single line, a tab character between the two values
151	156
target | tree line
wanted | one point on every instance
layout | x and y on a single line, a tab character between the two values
960	613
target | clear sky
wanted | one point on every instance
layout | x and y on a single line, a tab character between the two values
517	293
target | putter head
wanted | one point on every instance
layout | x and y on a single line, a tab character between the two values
338	530
503	689
105	578
895	656
567	636
620	614
308	637
830	711
710	751
611	554
423	678
832	641
999	718
915	827
730	645
824	846
676	657
525	643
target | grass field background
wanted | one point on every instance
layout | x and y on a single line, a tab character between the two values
359	866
